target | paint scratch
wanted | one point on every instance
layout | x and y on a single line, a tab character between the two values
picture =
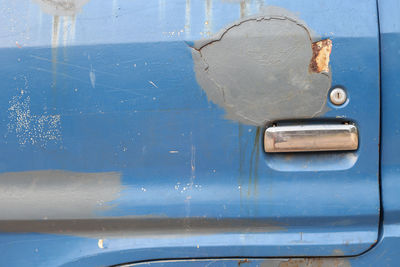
152	83
92	77
193	164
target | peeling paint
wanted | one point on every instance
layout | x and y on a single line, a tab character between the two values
100	243
321	53
257	69
54	194
65	10
61	7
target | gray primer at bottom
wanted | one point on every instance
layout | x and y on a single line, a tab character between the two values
54	194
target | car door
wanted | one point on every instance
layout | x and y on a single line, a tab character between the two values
134	130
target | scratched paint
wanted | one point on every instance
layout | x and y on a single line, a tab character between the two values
64	17
257	69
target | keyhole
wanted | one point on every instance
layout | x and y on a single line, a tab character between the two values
338	96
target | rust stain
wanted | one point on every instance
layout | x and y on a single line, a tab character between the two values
243	261
315	262
321	53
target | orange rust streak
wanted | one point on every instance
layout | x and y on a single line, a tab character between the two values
321	53
243	261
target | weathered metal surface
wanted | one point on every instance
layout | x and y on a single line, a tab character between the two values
111	89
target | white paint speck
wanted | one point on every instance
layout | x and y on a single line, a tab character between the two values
29	128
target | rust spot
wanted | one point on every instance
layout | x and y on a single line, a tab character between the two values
243	261
321	53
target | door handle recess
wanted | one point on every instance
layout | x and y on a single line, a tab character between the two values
316	137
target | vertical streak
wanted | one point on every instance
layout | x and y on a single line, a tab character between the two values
66	27
72	29
241	162
54	46
257	159
192	165
114	8
244	8
187	18
208	18
192	177
56	31
161	10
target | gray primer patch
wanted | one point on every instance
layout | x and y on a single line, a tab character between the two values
53	194
257	69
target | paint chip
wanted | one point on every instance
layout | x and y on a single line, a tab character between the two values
321	55
100	243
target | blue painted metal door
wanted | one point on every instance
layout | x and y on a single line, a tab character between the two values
120	144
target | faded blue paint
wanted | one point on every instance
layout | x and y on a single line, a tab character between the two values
128	101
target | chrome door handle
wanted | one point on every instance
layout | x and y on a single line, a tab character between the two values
304	138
